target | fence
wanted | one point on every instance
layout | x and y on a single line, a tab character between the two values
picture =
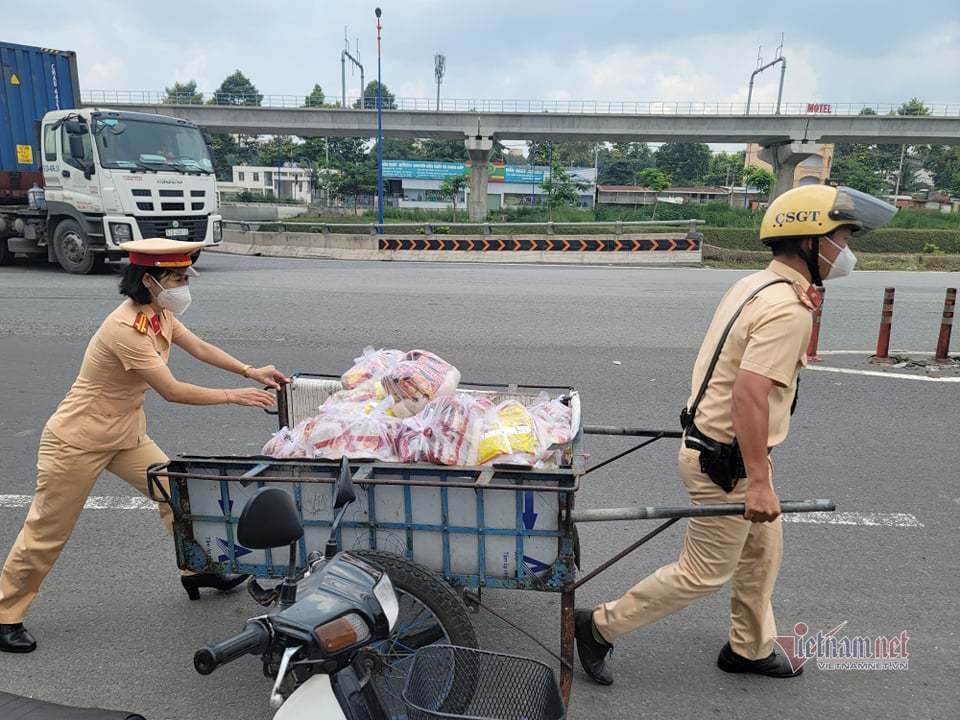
591	107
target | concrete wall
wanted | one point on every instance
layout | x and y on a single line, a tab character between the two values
260	212
375	247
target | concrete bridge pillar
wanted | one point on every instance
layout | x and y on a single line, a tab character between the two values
784	160
479	150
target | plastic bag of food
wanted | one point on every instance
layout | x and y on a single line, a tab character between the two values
370	366
445	432
286	443
367	398
554	421
509	436
338	433
418	378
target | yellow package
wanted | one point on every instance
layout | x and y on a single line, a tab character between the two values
509	431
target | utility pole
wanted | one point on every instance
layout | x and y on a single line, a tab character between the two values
344	56
439	67
377	12
760	68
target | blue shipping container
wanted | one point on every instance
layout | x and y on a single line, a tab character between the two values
33	81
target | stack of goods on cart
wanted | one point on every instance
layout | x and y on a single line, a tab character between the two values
406	407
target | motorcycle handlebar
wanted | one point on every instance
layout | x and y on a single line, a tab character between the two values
252	641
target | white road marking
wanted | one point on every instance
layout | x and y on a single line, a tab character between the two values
878	373
103	502
901	520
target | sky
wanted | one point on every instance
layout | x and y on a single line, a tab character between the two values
866	51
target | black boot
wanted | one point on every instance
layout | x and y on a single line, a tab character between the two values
15	639
593	653
774	665
223	583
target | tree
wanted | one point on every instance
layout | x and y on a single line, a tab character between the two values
561	188
943	164
759	178
654	179
450	189
913	106
569	154
685	163
277	150
355	180
442	150
316	98
236	89
725	169
369	99
183	94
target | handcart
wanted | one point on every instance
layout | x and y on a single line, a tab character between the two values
506	527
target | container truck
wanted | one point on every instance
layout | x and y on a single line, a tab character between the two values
75	181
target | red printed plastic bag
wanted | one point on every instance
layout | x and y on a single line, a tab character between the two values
554	421
287	443
370	366
445	432
338	434
417	379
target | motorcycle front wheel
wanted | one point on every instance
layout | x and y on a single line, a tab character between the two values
430	613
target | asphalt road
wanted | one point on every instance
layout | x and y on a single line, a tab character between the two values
115	628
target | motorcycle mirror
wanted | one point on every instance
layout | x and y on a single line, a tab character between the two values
345	492
269	519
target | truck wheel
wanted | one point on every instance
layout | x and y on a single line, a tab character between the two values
6	257
72	247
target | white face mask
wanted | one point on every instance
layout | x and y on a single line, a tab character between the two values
176	300
843	264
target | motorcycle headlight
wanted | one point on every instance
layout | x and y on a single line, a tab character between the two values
341	633
387	597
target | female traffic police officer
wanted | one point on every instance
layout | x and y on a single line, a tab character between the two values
100	424
746	399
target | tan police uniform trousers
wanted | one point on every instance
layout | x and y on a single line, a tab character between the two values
715	550
65	477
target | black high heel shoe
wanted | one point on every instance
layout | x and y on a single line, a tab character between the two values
223	583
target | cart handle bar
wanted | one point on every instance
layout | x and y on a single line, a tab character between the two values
629	431
640	512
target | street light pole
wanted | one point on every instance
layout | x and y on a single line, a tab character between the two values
379	132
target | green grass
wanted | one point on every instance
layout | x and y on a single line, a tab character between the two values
715	214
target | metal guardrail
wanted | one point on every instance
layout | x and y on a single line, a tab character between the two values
592	107
427	228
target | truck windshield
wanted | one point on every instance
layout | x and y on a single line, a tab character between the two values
146	145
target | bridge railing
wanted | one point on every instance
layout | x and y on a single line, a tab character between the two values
593	107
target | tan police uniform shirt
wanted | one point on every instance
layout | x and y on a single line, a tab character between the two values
104	408
769	338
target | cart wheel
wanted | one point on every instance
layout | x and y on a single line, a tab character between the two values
430	612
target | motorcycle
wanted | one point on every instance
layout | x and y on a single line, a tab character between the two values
343	631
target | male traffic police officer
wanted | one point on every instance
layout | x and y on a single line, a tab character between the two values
100	424
733	418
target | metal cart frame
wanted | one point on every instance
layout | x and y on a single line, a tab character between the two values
560	576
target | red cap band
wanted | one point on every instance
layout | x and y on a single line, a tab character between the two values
174	260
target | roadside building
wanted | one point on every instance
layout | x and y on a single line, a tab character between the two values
926	200
288	182
416	184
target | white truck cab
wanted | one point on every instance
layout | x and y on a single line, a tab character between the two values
112	176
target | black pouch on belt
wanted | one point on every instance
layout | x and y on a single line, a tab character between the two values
722	464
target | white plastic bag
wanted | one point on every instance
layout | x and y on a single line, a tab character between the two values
418	378
338	433
445	432
371	365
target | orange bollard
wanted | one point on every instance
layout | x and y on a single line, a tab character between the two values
943	342
886	320
815	332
